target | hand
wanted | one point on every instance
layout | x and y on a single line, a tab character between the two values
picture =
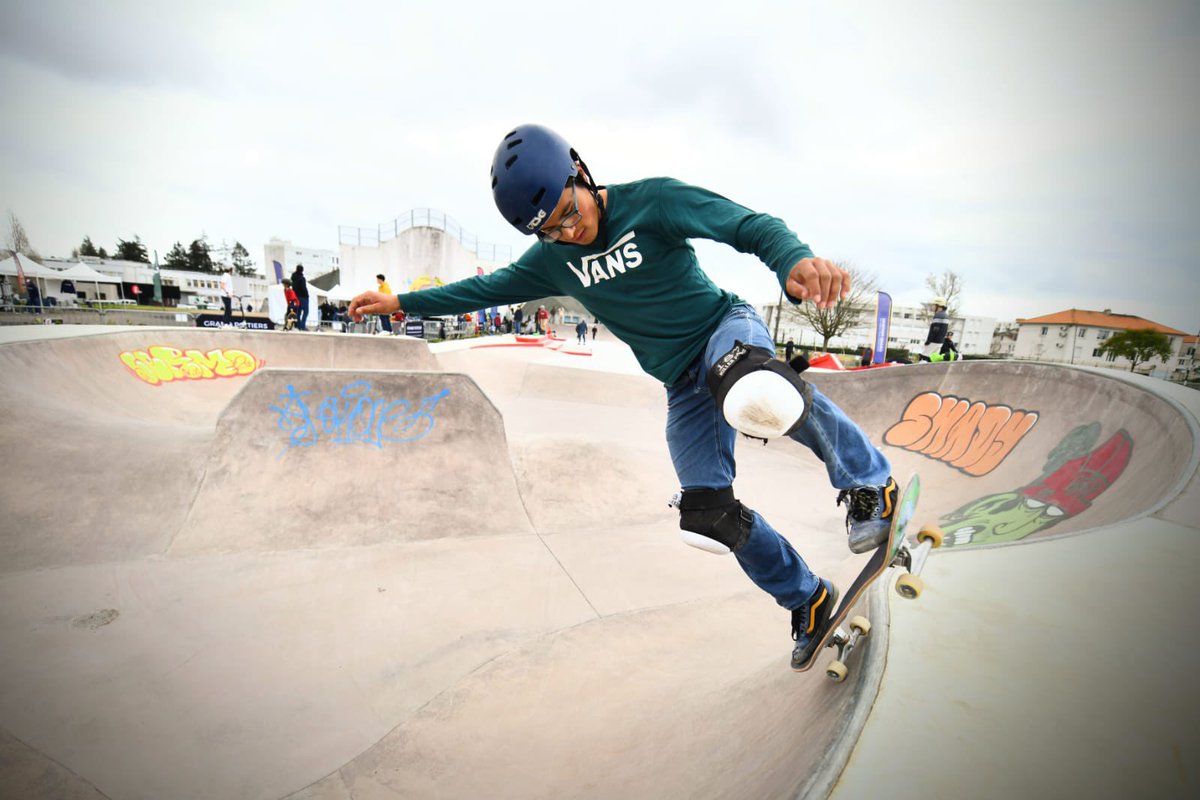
373	303
818	280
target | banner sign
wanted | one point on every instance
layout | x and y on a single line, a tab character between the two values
414	327
252	323
883	327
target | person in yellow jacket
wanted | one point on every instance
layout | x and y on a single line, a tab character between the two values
385	320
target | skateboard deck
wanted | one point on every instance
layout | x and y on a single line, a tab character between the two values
896	551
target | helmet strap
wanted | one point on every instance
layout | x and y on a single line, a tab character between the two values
590	184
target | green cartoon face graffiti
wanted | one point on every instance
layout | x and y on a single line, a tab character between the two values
1004	517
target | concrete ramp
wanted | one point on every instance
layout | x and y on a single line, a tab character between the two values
337	458
1012	451
339	567
110	431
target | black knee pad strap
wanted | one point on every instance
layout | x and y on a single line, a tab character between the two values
717	514
744	359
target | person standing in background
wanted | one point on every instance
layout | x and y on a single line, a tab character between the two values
300	287
385	320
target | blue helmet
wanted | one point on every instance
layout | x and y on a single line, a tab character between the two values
529	171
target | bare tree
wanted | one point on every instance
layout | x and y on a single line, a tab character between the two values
947	285
16	240
832	322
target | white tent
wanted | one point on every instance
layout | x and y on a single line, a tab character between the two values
338	294
31	268
82	272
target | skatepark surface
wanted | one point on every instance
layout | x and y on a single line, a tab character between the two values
281	565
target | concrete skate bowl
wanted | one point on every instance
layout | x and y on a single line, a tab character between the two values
305	610
110	432
1020	452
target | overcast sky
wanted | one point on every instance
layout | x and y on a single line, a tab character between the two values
1048	151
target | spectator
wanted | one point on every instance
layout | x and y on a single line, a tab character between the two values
293	305
300	287
385	320
227	294
581	331
33	296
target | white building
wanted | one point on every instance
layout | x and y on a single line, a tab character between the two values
909	328
195	289
1004	340
418	249
1187	363
1075	336
281	257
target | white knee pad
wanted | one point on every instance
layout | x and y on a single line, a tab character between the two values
763	404
759	395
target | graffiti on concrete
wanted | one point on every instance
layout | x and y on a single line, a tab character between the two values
353	416
1076	472
973	437
161	364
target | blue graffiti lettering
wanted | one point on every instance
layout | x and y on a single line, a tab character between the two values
353	417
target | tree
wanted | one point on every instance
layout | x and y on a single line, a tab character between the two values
176	258
132	251
1139	346
198	255
832	322
87	248
242	263
947	285
16	240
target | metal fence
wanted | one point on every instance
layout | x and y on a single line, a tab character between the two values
422	218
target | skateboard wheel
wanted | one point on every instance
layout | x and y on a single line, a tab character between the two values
860	624
836	671
910	586
931	533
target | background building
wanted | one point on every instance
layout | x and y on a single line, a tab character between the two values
910	326
287	255
417	249
1074	336
180	288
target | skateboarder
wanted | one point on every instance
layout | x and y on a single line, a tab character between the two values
938	329
623	252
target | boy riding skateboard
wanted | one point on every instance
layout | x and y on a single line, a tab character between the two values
622	251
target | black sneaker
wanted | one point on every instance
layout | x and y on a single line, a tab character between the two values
869	512
810	621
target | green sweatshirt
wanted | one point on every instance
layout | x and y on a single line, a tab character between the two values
645	284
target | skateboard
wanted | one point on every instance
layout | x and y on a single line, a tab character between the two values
895	552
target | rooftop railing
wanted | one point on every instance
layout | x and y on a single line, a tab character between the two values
422	218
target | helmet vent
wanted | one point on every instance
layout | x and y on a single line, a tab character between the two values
495	180
518	221
513	143
511	160
537	198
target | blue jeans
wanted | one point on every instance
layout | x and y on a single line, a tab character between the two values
302	317
702	442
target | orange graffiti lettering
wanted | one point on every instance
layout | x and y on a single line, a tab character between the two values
160	364
973	437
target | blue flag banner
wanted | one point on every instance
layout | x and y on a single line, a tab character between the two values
278	271
883	327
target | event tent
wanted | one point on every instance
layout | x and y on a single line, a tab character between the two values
82	272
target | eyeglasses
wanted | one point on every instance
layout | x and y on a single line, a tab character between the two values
569	220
